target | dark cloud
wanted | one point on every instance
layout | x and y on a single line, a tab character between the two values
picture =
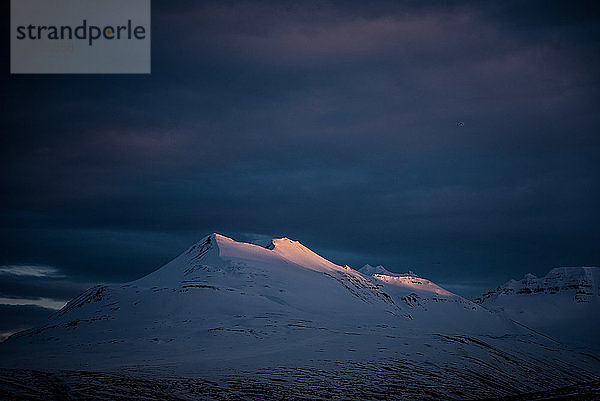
334	123
33	288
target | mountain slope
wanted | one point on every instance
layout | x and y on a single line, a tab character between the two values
236	312
430	305
564	304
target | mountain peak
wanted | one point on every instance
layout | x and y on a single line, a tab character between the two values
558	276
297	253
369	270
579	282
563	303
274	241
212	238
216	237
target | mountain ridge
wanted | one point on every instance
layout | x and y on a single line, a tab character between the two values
224	308
563	304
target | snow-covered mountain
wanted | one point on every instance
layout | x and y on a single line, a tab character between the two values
369	270
564	304
284	317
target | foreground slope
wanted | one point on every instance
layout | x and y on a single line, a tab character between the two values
564	304
243	314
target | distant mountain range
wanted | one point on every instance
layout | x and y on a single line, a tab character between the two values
564	304
284	319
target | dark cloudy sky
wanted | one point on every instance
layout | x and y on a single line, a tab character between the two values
332	123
